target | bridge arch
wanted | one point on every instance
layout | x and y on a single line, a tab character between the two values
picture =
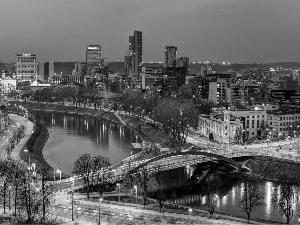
194	152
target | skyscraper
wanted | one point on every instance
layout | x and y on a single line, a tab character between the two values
41	70
184	62
51	70
136	45
93	58
26	67
170	56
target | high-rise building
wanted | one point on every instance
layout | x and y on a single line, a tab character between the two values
51	70
170	56
93	58
184	62
136	44
41	70
46	71
26	67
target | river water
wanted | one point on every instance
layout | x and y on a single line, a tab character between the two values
71	135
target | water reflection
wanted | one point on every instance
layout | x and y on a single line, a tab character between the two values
229	202
70	136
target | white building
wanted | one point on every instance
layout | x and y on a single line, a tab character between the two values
26	67
252	120
8	85
284	123
222	126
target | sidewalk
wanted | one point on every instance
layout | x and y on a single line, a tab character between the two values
263	148
222	219
28	132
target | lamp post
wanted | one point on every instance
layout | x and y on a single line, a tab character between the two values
26	150
100	200
59	171
9	207
135	188
118	185
73	180
268	141
54	174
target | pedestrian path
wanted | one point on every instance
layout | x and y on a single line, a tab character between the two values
28	132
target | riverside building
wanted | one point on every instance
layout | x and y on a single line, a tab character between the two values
26	67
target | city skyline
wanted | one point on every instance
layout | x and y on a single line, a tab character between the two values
231	30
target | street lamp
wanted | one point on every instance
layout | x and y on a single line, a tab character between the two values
33	172
25	150
135	188
73	180
268	141
119	187
9	207
59	171
100	200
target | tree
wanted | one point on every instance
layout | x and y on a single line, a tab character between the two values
185	92
264	129
251	198
143	178
210	187
84	165
176	118
160	179
284	197
100	163
129	177
238	134
46	191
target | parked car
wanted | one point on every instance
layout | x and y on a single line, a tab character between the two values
126	215
108	213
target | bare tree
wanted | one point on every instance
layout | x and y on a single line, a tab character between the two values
210	187
160	189
84	166
143	177
129	177
283	199
100	163
176	118
251	198
238	134
46	191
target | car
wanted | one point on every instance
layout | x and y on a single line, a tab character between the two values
141	217
126	215
157	219
90	209
60	206
108	213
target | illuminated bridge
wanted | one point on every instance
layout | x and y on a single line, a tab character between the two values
161	162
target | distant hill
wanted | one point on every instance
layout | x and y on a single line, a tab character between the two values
196	68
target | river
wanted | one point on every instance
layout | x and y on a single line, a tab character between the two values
70	136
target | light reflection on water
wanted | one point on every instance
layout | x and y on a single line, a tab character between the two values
73	136
70	136
229	203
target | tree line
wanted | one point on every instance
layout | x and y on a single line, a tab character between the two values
24	190
152	184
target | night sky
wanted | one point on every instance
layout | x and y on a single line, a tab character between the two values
221	30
